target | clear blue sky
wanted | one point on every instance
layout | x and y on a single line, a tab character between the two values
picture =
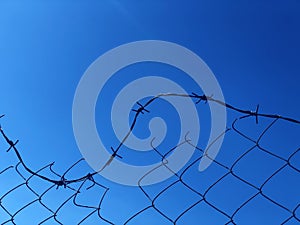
45	46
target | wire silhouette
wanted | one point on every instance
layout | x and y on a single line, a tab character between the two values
73	189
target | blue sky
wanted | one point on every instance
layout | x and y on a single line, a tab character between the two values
45	47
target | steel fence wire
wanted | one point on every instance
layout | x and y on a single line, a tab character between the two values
249	176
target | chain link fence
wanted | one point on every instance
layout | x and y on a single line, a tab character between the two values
255	179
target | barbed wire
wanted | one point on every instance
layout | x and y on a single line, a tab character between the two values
75	189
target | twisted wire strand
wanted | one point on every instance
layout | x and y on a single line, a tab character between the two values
55	215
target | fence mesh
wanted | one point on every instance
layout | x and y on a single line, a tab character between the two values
254	180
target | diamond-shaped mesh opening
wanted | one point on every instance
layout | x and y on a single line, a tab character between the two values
256	166
261	211
229	194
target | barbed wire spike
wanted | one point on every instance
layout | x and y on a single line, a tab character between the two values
141	109
12	144
201	97
62	182
256	114
115	153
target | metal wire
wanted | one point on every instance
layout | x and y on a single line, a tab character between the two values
74	190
